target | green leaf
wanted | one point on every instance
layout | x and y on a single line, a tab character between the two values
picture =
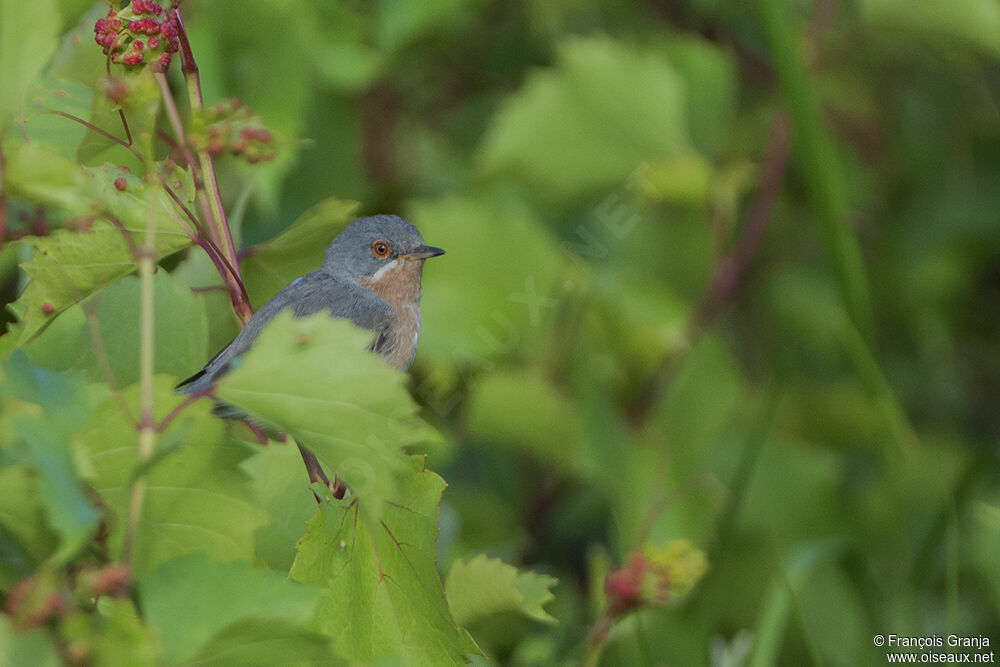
710	86
975	23
38	173
183	601
180	328
485	586
68	266
25	537
296	251
57	132
545	426
600	113
383	596
28	647
494	292
197	499
282	487
27	41
42	443
256	642
401	23
314	379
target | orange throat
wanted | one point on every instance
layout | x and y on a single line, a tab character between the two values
398	282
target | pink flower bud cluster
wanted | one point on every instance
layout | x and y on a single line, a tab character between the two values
231	127
653	575
135	34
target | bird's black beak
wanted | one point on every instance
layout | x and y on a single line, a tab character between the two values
425	252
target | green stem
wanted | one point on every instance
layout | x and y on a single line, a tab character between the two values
820	163
875	382
147	424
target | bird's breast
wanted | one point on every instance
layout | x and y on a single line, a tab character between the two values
398	283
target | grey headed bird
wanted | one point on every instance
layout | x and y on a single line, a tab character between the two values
370	275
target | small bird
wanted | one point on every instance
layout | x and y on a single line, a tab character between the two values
371	275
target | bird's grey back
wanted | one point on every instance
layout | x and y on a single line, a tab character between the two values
312	293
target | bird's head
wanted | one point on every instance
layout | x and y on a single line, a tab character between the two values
384	253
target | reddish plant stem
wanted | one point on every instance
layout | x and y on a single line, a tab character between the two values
201	238
732	269
128	132
163	424
222	234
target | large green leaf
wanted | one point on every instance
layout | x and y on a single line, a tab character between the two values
314	379
484	586
260	642
57	132
601	112
27	40
180	328
297	250
282	487
494	293
383	596
68	266
189	599
41	442
32	647
196	499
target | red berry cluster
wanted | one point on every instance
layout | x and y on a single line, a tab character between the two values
232	127
135	34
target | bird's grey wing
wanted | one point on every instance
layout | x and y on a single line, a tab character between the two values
311	293
290	296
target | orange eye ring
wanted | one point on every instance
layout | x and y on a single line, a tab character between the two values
381	248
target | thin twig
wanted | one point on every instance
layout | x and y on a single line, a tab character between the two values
221	263
732	269
170	106
128	132
204	171
133	247
93	128
222	233
164	423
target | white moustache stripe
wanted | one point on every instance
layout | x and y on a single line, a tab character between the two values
391	266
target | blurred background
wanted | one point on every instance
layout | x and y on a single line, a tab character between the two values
726	272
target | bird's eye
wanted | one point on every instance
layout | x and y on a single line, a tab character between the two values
381	249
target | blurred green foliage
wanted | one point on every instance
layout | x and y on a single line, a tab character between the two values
635	336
